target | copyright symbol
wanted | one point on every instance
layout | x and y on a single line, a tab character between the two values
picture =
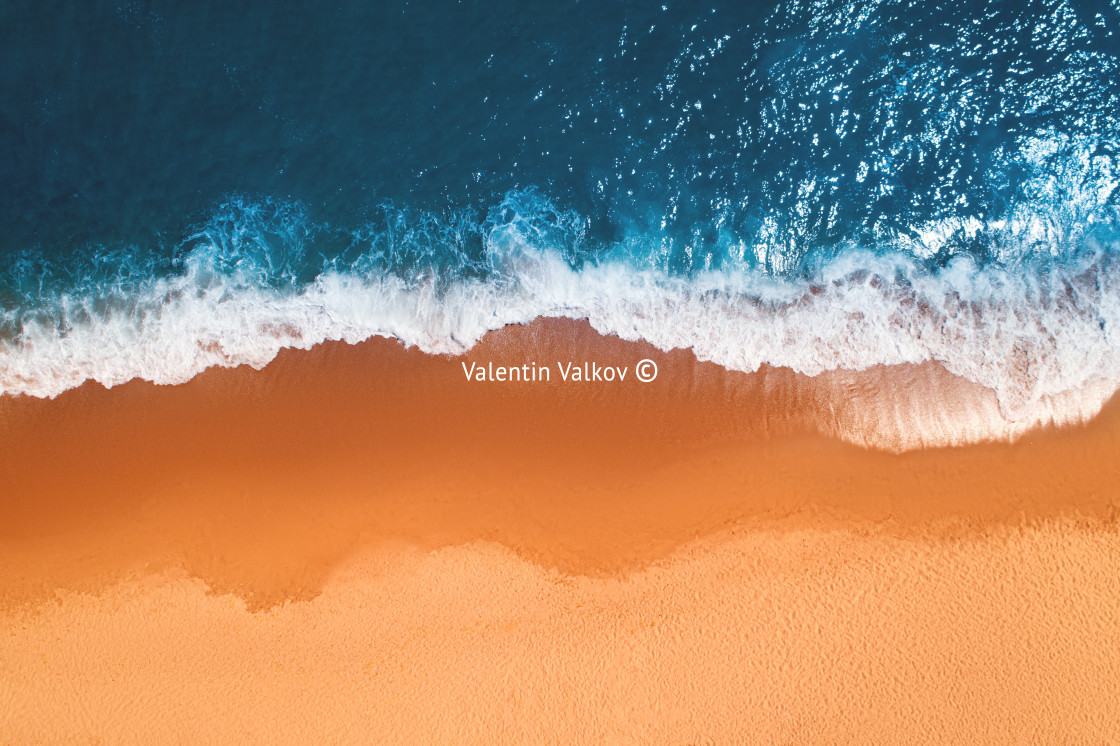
646	370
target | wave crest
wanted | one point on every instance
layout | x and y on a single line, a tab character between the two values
1028	330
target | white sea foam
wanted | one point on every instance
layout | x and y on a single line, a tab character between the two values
1028	333
1041	332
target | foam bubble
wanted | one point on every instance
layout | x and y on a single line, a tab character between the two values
1032	331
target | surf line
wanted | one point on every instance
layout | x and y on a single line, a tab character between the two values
587	372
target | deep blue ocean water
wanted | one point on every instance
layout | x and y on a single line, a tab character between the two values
445	167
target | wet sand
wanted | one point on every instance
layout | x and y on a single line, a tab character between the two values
356	543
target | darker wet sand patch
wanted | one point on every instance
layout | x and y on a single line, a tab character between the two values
262	482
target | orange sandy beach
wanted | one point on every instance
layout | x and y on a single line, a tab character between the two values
356	544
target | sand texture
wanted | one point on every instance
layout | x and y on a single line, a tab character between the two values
355	545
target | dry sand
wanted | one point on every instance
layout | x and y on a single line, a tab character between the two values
357	545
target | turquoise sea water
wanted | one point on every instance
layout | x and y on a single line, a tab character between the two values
811	184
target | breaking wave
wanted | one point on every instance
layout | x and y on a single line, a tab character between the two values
257	277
